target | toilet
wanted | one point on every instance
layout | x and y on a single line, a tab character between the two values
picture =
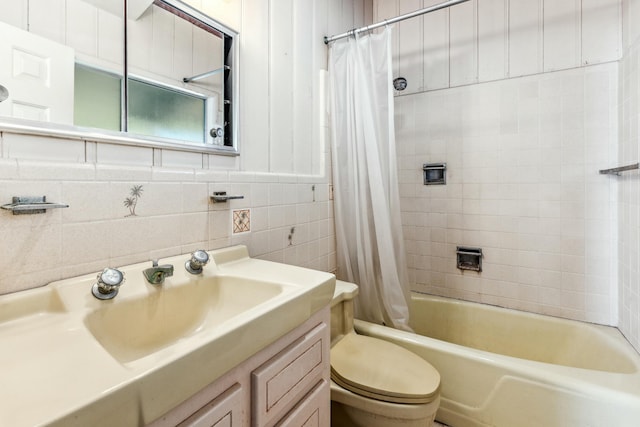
375	383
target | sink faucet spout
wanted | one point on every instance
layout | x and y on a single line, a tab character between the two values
157	273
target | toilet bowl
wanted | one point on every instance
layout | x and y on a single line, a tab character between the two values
375	383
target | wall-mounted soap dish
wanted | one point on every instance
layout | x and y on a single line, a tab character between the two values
469	258
27	205
434	173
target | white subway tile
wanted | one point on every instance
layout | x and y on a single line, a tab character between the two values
86	242
122	173
32	147
181	159
124	155
86	200
194	229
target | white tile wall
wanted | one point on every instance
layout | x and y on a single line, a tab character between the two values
173	217
522	183
628	183
174	214
522	154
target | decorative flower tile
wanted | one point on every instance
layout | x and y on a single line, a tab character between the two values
241	221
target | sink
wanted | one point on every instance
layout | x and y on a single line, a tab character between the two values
128	360
133	328
27	306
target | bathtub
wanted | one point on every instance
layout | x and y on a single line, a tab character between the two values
507	368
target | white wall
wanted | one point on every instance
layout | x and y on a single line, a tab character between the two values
511	96
282	90
629	183
281	170
485	40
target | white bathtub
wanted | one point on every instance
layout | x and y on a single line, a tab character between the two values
508	368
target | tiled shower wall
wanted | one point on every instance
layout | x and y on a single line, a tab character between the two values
522	183
629	182
520	98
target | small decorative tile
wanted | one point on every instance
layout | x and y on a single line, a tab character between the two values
241	221
131	201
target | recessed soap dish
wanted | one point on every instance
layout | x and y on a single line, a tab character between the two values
469	258
434	173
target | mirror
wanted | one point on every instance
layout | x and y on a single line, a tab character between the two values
171	82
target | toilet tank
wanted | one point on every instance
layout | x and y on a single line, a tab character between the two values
342	310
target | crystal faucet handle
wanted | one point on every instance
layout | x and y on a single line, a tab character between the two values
108	283
198	260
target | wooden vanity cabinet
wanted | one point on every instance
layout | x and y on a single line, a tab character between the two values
286	380
286	384
226	410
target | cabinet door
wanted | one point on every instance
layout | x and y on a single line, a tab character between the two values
223	411
312	411
279	384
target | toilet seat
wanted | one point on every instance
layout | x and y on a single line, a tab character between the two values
383	371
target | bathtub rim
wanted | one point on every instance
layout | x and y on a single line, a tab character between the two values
612	334
579	380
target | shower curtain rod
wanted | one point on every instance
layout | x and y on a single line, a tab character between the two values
413	14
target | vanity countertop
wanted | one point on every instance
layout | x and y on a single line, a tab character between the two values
69	359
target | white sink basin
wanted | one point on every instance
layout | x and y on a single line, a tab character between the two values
128	360
131	328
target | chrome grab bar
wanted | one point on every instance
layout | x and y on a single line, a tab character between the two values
616	171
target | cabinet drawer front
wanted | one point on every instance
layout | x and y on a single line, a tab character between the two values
313	410
224	411
282	381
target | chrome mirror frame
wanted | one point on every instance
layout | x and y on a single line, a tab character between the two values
231	95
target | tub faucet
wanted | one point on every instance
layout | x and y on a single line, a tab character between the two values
157	273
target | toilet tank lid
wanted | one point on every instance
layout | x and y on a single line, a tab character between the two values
344	291
383	370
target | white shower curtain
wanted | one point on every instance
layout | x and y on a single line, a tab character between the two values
370	246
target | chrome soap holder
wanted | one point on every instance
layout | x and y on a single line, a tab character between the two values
221	197
28	205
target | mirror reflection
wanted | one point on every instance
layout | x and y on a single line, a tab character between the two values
69	64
